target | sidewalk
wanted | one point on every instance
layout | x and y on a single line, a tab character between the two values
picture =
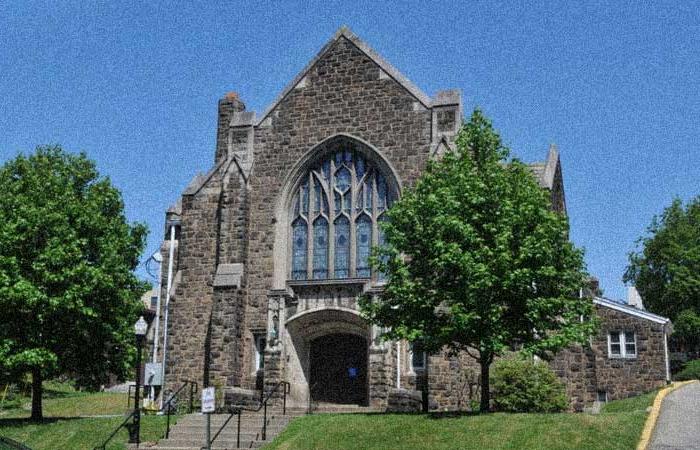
678	426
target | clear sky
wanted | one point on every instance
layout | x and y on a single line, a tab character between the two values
616	85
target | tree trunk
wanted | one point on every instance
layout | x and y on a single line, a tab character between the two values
37	391
425	391
485	391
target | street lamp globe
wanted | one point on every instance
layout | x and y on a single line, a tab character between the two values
141	327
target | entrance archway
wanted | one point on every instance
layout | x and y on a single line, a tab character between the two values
338	369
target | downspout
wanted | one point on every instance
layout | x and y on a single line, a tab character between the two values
159	259
668	364
171	255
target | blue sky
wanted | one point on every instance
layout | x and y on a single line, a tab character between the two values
616	85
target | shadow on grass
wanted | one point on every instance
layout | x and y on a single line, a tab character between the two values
24	421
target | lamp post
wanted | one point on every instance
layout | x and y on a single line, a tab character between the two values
140	330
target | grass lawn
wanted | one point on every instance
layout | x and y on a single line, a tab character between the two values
617	427
66	425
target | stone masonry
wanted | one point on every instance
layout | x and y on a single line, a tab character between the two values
233	291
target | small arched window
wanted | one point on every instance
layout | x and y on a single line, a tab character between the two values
336	211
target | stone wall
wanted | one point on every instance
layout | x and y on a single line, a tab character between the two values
588	370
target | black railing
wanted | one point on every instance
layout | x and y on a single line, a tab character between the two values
124	424
131	394
171	404
238	410
6	442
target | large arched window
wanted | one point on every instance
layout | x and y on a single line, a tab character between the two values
336	209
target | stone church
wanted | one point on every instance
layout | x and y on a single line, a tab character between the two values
271	249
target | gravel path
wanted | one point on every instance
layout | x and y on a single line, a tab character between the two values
678	426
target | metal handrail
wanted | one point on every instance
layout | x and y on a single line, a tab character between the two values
129	396
11	443
114	433
168	406
263	405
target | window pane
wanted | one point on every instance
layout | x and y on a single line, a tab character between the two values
342	179
326	169
364	243
629	336
318	196
381	193
381	241
320	249
342	247
614	336
615	349
630	349
368	195
305	197
299	249
338	202
359	166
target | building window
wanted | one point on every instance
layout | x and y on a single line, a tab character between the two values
622	344
336	211
418	357
260	342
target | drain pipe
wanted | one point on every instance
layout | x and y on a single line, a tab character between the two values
159	259
171	255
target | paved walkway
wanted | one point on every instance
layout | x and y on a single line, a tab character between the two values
678	426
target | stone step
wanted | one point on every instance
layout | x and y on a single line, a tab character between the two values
233	422
251	433
247	443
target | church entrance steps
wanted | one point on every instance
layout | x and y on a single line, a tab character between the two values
336	408
189	433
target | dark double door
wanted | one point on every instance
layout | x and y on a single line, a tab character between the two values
338	369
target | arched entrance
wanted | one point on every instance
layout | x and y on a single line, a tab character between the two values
327	354
338	369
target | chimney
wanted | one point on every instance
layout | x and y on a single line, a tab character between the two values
228	105
633	298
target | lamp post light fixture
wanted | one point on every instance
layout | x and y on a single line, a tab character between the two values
140	329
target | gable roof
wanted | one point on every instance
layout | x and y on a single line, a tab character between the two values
546	171
617	306
344	32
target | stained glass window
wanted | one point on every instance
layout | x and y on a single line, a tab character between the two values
335	214
320	249
299	249
364	243
342	247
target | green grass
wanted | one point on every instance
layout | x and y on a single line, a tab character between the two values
617	427
66	426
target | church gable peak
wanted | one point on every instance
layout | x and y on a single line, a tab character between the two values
386	71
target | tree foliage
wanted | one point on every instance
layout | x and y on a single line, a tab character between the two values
68	293
476	259
665	268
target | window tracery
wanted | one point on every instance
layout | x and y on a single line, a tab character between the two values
336	211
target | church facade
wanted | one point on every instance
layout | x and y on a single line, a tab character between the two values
271	245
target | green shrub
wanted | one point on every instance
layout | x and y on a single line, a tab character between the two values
520	385
691	371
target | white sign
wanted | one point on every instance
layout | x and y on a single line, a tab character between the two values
208	400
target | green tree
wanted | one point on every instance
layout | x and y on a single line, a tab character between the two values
665	268
68	293
477	261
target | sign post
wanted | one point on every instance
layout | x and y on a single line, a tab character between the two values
208	407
